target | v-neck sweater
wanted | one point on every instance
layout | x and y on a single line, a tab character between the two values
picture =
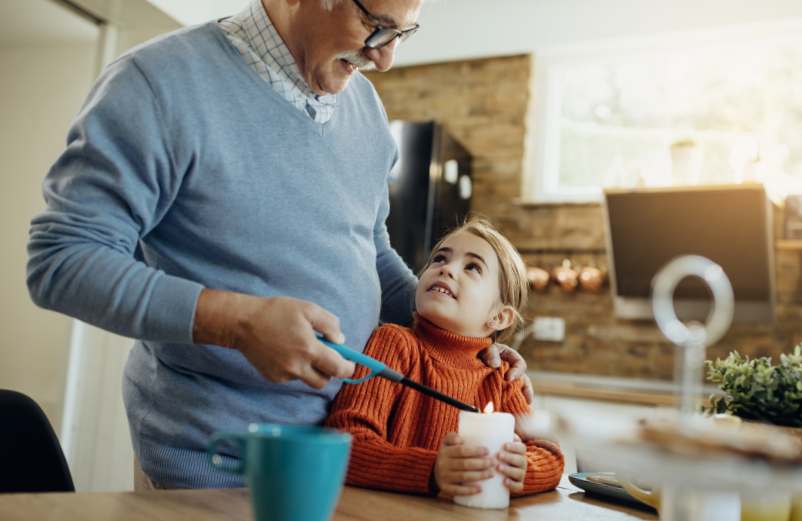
397	431
182	171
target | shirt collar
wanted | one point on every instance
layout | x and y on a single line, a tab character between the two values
263	38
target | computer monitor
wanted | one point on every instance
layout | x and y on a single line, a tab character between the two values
731	225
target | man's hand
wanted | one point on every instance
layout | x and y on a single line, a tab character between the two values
459	467
276	335
492	357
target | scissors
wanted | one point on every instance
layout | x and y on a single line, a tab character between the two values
379	369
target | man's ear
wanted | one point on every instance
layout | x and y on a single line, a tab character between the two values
502	319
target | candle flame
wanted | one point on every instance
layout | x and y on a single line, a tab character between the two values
488	408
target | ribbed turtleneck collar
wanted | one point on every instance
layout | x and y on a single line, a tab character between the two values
456	350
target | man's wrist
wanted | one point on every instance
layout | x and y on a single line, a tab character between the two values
216	320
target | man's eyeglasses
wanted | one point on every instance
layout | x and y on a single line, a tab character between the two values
381	35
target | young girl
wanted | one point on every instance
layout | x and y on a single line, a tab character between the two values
469	294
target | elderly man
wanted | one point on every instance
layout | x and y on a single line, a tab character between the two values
222	198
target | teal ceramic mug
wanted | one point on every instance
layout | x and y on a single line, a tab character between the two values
294	472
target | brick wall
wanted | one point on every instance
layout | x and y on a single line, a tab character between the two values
487	105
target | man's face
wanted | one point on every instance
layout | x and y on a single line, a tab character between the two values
330	45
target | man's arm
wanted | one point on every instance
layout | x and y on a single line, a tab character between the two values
397	280
114	182
277	335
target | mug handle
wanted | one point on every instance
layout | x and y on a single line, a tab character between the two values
216	459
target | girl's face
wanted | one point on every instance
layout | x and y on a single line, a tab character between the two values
458	291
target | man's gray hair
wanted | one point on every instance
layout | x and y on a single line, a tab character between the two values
329	4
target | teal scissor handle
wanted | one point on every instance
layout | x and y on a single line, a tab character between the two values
376	367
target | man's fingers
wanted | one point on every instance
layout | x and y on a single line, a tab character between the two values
529	392
491	357
514	358
324	323
517	370
313	378
329	362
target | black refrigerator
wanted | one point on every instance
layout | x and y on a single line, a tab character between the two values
430	189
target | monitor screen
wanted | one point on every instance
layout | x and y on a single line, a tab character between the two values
730	225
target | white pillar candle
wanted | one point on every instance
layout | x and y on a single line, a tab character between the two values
490	430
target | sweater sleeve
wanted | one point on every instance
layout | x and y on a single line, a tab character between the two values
398	283
113	184
544	466
364	411
544	459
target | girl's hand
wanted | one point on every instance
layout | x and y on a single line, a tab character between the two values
459	467
512	465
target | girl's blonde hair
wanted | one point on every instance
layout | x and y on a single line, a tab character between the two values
512	283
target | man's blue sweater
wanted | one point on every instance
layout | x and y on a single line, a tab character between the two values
184	170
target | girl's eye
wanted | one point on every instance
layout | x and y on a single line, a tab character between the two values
438	258
474	266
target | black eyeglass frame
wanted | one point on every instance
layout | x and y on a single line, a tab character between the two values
381	35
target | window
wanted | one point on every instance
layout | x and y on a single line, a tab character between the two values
703	108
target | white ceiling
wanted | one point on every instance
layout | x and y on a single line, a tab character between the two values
460	29
451	29
42	22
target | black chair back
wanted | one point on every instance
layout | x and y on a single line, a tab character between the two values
31	459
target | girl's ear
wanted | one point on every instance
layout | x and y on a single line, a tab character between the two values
502	319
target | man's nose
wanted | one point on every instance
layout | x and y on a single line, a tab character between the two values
383	57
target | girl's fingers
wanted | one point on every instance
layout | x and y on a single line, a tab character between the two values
470	476
451	439
516	447
515	460
514	473
456	489
464	452
514	486
469	464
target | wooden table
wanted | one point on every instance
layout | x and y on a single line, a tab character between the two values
566	503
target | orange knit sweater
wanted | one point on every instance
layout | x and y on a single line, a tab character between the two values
398	431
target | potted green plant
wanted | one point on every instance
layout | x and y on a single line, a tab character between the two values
757	390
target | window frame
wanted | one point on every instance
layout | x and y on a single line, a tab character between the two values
541	180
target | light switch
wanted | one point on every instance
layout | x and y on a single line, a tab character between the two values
549	329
